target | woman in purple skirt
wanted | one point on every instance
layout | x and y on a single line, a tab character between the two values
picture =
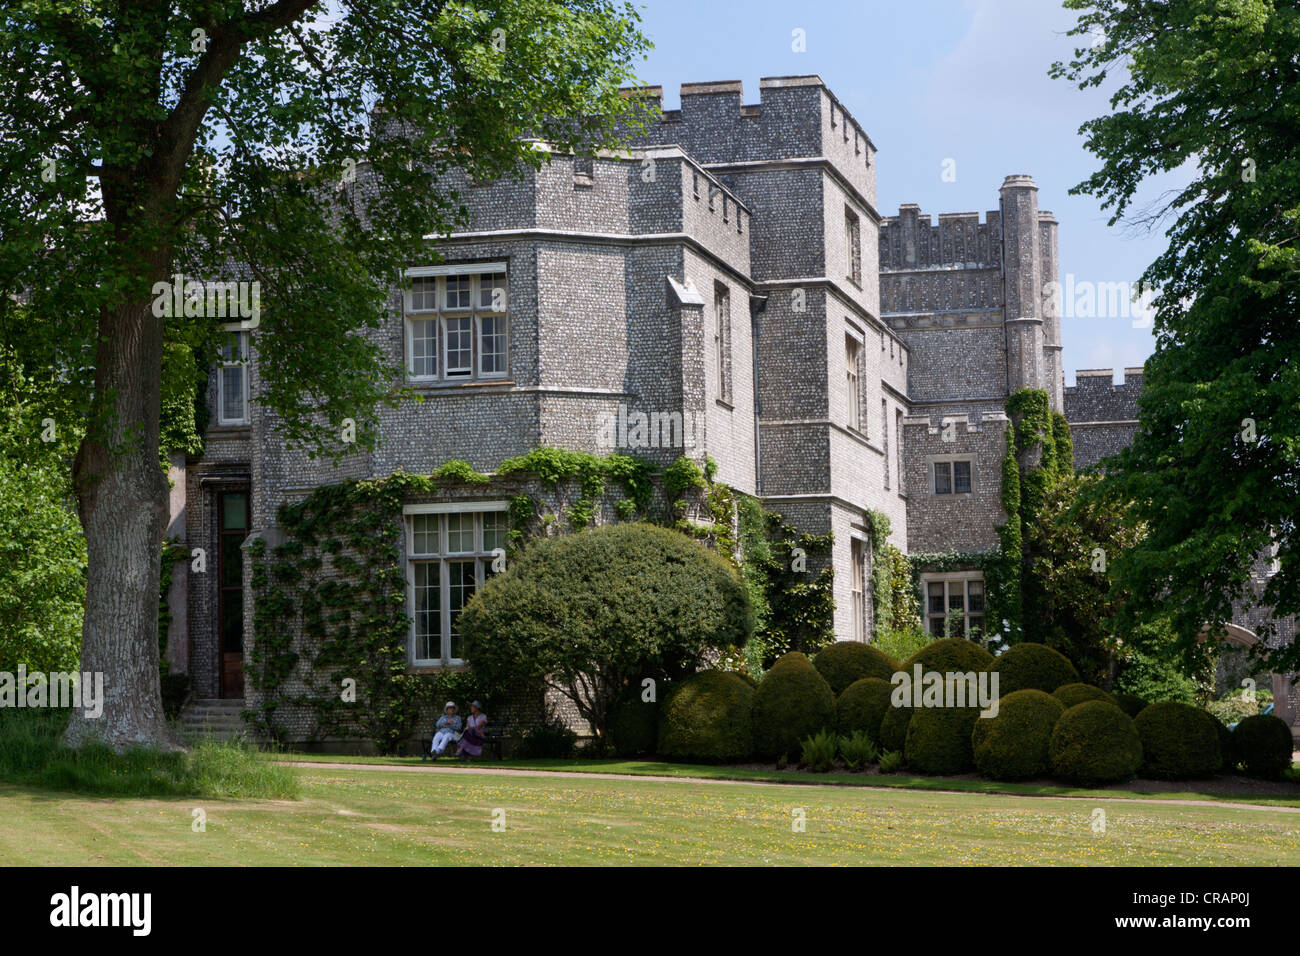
472	740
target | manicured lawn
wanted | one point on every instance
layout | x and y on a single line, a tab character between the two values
381	817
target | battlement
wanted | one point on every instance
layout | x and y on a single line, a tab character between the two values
1094	399
797	117
911	242
1096	378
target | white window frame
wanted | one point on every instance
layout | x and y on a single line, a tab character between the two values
722	338
443	557
241	362
858	586
853	380
441	315
959	580
952	477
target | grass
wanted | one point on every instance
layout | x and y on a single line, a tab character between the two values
31	752
379	816
901	781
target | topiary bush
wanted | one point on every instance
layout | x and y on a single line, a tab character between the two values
1071	695
938	739
1031	666
893	727
792	702
708	717
1014	745
1131	704
844	662
1179	742
862	707
950	654
1263	745
1095	743
634	724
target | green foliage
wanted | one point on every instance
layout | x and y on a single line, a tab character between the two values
793	701
858	749
458	471
592	472
902	644
1206	86
548	740
32	753
1014	744
844	662
891	761
818	751
1234	705
589	611
1263	745
681	476
1155	667
938	739
862	707
42	550
1179	742
950	654
707	717
894	725
894	599
633	723
1033	667
1095	743
1005	601
1073	694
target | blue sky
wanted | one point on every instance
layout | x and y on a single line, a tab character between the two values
933	80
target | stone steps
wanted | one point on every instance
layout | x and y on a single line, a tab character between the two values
213	719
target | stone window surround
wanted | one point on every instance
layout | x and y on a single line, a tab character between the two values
948	578
242	336
473	269
410	557
932	460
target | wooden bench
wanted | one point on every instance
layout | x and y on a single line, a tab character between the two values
494	733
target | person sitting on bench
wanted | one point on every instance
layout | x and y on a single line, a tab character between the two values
472	740
446	730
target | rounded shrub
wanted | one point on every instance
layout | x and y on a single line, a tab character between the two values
938	739
1179	742
1033	667
862	707
950	654
1014	745
1071	695
844	662
893	726
792	702
1263	745
633	724
707	717
1131	704
1095	743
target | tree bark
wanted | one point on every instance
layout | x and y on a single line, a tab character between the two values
122	501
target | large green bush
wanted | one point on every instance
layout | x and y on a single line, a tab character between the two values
862	707
1095	743
589	611
950	654
893	727
938	739
708	717
1014	745
793	701
1072	695
1179	742
844	662
1131	704
1031	666
634	724
1263	744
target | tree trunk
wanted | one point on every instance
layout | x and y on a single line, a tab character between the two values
122	500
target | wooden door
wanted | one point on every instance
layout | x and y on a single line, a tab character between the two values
232	525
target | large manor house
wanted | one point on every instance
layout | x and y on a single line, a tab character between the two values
728	281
